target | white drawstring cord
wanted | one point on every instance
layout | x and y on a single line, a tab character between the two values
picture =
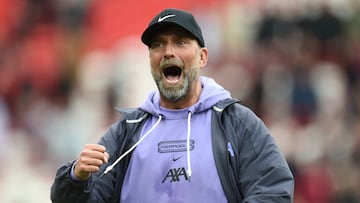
189	171
109	168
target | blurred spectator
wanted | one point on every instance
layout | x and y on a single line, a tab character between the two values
4	129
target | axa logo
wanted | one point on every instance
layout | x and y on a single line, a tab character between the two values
176	175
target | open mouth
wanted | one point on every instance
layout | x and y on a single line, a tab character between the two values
172	74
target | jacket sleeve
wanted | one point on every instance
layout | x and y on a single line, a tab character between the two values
263	173
96	188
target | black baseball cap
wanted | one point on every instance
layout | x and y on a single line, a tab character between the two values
173	17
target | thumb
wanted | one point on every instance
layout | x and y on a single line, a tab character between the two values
106	157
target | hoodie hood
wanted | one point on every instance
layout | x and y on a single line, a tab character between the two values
211	93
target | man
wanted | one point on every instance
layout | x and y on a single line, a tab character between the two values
188	142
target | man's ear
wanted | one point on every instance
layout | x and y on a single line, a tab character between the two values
203	57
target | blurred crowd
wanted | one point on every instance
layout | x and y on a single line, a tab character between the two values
295	63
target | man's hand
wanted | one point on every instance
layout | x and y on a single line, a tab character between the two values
90	160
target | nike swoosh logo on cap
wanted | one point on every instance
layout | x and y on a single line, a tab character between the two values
165	17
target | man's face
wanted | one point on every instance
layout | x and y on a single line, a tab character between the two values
176	59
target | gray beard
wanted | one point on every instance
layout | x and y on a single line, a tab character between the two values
179	92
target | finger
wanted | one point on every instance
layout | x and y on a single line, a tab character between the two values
87	161
102	152
103	156
95	147
89	153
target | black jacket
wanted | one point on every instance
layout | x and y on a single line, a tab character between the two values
252	170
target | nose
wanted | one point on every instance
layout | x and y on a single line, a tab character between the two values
169	51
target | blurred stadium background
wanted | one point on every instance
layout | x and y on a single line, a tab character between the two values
64	65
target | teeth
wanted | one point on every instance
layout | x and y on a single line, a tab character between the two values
172	81
172	78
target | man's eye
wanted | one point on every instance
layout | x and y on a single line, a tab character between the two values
181	42
156	45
